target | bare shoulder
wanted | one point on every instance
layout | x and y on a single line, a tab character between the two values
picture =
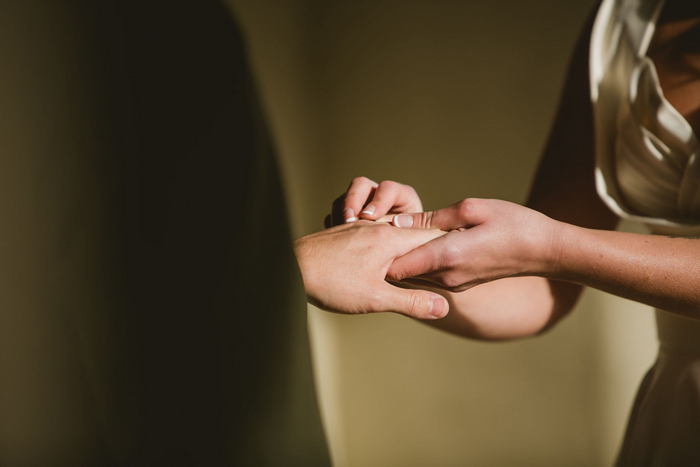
675	50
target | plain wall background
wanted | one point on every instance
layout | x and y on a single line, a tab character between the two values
455	98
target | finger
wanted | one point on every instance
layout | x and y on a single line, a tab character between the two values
419	304
465	214
415	282
403	241
432	281
391	196
359	193
424	259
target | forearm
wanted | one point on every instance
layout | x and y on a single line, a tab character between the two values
509	308
659	271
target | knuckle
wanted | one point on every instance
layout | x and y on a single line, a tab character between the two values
358	180
415	304
362	181
466	208
471	211
451	281
424	220
454	278
386	192
387	186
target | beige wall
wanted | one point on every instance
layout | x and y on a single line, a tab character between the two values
456	99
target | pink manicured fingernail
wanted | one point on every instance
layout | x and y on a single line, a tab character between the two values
369	210
439	308
405	222
349	215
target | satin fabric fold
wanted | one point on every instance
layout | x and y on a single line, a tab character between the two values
647	167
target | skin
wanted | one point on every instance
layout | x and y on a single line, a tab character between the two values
366	250
365	196
531	263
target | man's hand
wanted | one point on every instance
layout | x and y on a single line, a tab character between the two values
344	270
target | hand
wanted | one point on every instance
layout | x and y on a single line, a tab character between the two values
367	199
344	269
488	240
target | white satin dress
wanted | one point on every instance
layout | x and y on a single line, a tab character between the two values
648	170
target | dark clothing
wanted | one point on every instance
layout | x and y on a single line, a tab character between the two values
162	320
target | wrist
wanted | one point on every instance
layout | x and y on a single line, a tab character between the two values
572	247
551	264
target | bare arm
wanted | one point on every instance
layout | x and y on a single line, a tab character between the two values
658	271
564	190
575	250
511	271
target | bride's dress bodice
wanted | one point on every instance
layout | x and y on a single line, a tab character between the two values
647	156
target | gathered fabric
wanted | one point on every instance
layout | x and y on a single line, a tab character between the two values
647	156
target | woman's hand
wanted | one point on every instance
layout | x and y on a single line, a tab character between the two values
344	269
487	240
366	199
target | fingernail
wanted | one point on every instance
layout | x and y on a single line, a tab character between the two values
404	221
438	308
349	215
369	210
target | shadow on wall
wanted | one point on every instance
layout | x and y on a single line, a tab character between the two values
144	227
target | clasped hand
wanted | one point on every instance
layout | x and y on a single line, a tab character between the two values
456	248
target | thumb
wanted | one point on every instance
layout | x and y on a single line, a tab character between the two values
467	213
415	303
